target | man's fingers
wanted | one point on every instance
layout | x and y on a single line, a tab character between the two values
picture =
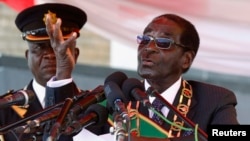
73	36
58	36
54	30
71	41
49	25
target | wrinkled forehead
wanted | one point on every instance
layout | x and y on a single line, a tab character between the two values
164	26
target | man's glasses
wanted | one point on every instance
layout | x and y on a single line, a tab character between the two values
162	43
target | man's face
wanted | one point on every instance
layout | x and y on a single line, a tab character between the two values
41	61
155	63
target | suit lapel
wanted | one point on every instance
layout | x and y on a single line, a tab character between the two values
35	105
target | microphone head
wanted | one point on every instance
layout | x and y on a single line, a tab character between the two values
19	98
113	92
129	85
112	89
118	77
23	97
100	111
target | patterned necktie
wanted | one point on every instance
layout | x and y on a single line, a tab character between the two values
157	104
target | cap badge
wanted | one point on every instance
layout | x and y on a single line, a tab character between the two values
53	17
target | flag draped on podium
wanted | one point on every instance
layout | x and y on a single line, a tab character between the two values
141	125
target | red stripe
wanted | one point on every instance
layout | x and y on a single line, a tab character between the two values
19	5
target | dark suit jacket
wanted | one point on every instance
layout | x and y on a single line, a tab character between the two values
210	105
8	115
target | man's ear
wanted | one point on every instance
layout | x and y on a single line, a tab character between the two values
77	52
26	54
188	58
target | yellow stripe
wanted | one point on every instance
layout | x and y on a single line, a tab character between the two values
41	38
159	128
110	122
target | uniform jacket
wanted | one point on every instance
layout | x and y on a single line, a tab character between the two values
9	116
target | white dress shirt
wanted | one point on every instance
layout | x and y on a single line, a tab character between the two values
168	95
40	90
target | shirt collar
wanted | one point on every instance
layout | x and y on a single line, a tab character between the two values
170	93
40	92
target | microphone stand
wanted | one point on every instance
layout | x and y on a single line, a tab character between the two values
55	130
153	92
118	130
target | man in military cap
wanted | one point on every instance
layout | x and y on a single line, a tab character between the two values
51	31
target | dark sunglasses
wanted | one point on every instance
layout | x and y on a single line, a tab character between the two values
162	43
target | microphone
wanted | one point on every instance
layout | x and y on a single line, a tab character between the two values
94	115
118	77
134	90
20	98
37	122
95	96
56	128
116	99
116	104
